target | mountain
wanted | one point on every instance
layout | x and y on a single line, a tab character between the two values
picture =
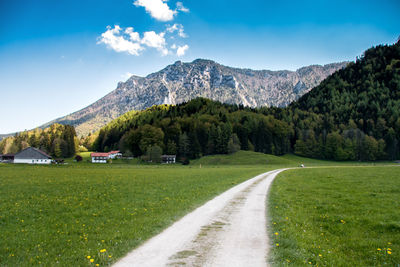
354	114
181	82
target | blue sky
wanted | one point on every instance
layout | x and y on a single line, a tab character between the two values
57	57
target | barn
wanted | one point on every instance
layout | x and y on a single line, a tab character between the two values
99	157
32	155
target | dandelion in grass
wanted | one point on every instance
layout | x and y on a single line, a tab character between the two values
277	244
320	255
88	257
378	249
91	260
276	233
389	252
103	250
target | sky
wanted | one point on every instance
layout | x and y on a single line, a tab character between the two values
57	57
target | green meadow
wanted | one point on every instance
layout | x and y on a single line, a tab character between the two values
83	214
70	215
347	216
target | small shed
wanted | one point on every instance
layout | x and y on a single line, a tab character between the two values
99	157
31	155
168	159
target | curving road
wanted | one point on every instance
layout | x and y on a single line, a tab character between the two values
229	230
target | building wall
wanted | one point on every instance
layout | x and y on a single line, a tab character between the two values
99	160
33	161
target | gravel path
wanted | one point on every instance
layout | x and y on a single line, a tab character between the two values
229	230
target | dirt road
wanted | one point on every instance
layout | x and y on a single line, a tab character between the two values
229	230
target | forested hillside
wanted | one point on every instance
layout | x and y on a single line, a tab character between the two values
57	140
352	115
363	98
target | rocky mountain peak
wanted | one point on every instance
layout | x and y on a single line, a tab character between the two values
181	82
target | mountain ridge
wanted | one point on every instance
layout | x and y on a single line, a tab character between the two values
180	82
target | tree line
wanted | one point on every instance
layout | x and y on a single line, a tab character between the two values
58	140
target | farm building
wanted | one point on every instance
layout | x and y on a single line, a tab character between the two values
7	158
32	155
168	159
115	154
99	157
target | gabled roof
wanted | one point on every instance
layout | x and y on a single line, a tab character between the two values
31	153
99	154
114	152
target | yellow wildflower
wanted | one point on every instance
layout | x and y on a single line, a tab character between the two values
88	257
103	250
320	255
389	252
276	233
389	249
277	244
91	260
378	249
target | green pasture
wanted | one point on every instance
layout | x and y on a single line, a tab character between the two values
69	215
347	216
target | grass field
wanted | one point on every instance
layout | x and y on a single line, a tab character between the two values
348	216
72	214
65	214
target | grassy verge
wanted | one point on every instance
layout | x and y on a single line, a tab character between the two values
65	214
348	216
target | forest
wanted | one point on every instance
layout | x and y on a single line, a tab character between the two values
351	115
58	140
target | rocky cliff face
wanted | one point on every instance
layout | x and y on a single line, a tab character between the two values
181	82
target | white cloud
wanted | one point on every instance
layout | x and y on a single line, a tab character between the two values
158	9
180	7
182	50
116	40
129	41
179	28
152	39
133	36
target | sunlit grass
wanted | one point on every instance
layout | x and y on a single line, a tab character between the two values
347	216
72	215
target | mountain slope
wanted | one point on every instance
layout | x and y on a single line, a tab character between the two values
367	90
181	82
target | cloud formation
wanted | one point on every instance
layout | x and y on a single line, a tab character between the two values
180	7
182	50
158	9
177	28
122	41
127	40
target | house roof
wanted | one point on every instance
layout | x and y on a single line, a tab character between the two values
114	152
99	154
31	153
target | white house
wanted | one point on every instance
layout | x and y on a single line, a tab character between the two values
98	157
115	154
32	155
168	159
